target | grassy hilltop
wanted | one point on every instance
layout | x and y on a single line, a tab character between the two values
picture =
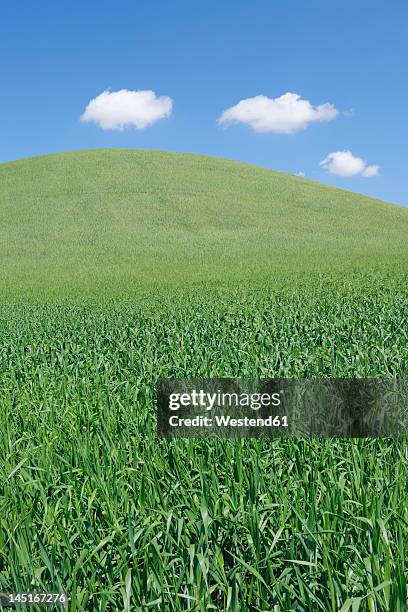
100	256
94	218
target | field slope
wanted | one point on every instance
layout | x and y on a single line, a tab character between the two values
109	279
116	216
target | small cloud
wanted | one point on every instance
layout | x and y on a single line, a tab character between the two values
349	113
371	171
300	174
344	163
116	110
284	115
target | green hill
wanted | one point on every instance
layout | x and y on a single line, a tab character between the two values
129	216
93	503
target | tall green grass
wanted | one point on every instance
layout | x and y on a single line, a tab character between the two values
93	503
110	263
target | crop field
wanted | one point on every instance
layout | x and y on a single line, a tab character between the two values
119	267
99	221
95	504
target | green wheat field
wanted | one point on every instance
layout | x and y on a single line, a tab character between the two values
120	266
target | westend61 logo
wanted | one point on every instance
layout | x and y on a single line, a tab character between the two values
229	407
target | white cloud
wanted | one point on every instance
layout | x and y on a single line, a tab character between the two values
349	113
116	110
344	163
371	171
300	174
284	115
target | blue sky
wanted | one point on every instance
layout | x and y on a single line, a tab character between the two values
206	56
